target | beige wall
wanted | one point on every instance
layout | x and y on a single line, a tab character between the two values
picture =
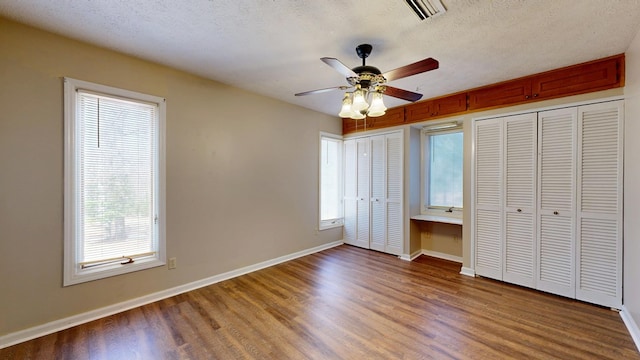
631	286
441	238
242	176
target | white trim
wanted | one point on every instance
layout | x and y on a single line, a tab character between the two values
330	223
632	326
410	257
472	200
72	272
65	323
425	136
385	131
463	270
443	256
467	271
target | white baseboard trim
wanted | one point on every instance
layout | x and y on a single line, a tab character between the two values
61	324
632	326
468	271
443	256
412	256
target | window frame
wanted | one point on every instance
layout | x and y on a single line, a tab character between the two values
425	203
73	271
334	222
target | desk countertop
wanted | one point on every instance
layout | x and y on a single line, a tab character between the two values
438	218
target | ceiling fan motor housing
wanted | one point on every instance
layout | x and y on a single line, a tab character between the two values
367	76
363	51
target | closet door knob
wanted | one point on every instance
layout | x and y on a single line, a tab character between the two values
555	213
519	210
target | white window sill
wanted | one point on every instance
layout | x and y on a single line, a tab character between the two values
331	225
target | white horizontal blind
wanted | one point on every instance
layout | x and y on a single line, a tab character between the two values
116	152
330	182
350	192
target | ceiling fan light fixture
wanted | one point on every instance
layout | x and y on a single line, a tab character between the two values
359	100
357	115
377	105
346	112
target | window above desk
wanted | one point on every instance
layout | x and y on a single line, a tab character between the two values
442	168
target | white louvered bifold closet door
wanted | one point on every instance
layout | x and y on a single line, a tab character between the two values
488	197
556	201
599	204
350	192
362	199
520	144
393	201
378	218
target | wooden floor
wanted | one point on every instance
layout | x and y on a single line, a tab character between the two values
348	303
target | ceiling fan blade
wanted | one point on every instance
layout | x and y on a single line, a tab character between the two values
339	66
412	69
402	94
343	87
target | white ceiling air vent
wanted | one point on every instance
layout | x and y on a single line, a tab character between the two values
426	8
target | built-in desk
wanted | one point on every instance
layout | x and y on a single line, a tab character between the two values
439	235
438	218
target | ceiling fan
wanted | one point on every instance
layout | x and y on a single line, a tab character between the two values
370	80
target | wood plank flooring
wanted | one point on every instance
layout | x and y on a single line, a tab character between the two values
348	303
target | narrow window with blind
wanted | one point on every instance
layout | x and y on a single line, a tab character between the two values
330	181
114	181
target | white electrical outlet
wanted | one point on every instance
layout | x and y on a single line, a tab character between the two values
172	263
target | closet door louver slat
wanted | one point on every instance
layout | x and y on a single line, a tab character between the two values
374	192
394	170
488	198
599	226
363	216
547	196
556	202
378	218
520	190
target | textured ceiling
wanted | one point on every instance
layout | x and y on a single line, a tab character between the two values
273	47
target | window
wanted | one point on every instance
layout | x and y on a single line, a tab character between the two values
114	181
443	164
330	181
